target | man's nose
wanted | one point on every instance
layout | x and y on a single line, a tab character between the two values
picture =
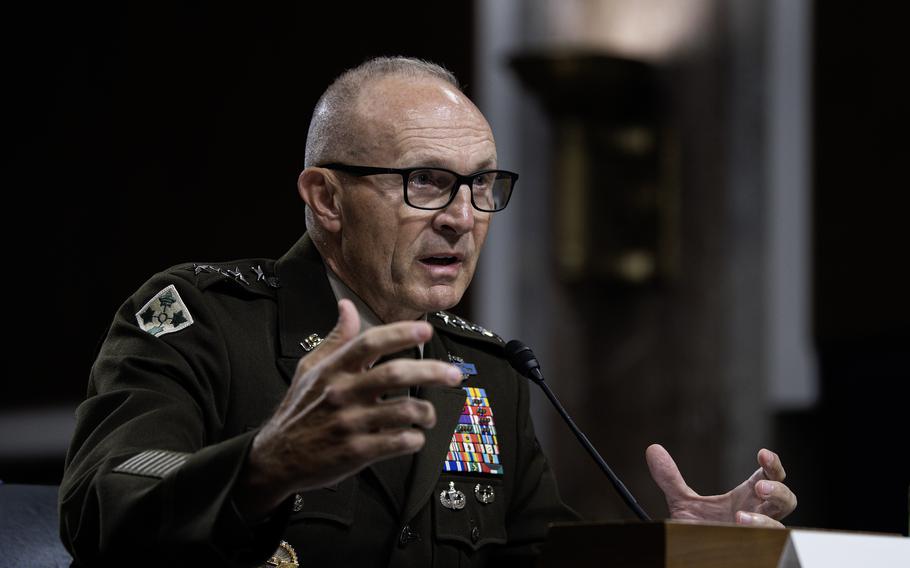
458	216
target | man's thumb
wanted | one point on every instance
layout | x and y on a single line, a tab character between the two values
665	472
347	327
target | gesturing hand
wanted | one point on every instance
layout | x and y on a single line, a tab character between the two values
332	421
759	500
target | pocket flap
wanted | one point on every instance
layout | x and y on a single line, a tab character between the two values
481	521
335	503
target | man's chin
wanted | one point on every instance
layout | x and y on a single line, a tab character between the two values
441	297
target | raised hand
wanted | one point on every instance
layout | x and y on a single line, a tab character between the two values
761	500
332	421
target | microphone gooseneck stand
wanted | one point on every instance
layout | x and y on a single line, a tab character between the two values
525	363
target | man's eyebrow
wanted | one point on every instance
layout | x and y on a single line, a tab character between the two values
486	164
436	162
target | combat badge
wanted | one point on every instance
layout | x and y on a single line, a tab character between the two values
165	313
452	498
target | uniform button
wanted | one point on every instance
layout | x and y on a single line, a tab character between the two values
407	536
475	534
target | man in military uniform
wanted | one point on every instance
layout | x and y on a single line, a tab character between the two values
322	408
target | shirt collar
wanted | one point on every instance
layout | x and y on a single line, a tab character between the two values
368	317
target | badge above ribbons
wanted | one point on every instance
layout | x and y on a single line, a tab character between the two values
474	447
165	313
467	369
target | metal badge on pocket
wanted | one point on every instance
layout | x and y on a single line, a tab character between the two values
484	493
452	498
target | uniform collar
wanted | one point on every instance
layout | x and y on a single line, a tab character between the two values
368	317
308	298
305	300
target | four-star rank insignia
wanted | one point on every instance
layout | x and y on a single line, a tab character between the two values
165	313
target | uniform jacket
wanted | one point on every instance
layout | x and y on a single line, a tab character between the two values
169	419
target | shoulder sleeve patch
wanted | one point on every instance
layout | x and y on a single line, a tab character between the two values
152	463
165	313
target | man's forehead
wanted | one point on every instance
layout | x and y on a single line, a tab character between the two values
406	93
397	100
431	159
398	110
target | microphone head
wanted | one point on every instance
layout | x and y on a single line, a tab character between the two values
523	360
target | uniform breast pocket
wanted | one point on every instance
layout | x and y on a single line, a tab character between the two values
335	504
319	530
470	510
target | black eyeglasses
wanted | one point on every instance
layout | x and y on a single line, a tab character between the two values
435	188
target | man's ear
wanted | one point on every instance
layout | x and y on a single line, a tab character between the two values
317	189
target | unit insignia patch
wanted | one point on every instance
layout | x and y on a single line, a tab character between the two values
165	313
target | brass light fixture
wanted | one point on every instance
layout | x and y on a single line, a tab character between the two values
613	187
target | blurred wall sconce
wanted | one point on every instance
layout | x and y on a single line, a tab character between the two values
614	180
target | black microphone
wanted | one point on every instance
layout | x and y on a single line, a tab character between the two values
523	360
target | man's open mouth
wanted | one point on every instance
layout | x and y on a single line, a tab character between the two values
439	260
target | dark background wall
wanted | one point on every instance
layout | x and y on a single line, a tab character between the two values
148	136
862	314
849	455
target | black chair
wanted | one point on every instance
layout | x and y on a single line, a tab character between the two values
29	531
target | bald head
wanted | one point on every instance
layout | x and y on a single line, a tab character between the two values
353	117
400	259
336	133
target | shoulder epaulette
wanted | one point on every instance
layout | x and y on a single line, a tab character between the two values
253	275
464	328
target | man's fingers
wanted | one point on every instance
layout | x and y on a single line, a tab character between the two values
370	448
401	373
368	386
396	414
666	474
771	465
370	345
757	520
777	499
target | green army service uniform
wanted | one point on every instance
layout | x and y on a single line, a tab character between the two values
202	355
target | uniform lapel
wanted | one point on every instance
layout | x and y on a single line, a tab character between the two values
306	306
306	303
448	403
393	473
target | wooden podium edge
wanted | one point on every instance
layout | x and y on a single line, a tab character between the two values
663	544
